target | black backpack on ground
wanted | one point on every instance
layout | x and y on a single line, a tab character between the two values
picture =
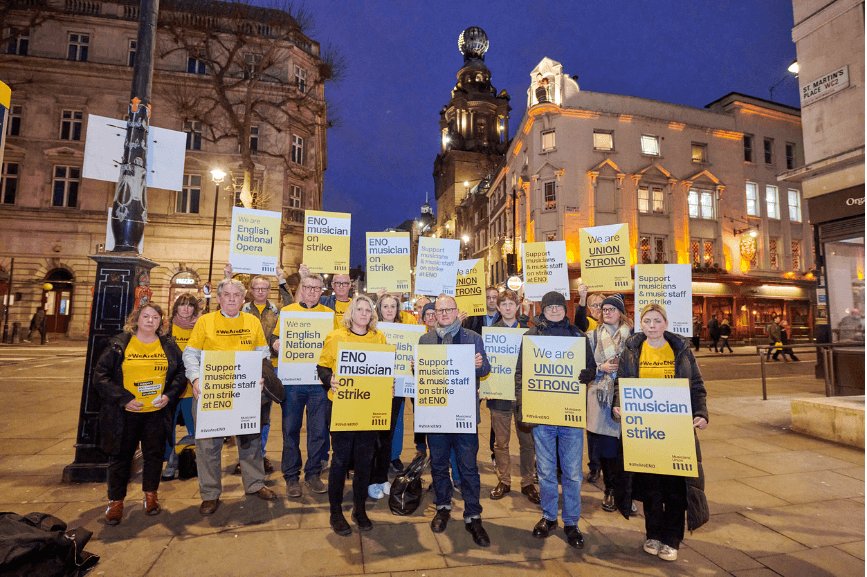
187	468
406	491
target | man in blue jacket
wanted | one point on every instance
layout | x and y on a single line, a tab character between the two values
465	445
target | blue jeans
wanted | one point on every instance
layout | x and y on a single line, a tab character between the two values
571	450
185	406
314	398
466	449
397	441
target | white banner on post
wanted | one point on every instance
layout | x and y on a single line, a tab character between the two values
230	403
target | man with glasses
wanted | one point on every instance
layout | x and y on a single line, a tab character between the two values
298	397
465	445
339	300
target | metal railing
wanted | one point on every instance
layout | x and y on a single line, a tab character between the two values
827	352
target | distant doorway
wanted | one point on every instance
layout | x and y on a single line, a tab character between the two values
57	301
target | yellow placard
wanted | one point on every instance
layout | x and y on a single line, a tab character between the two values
470	288
218	378
552	394
502	346
545	269
535	268
326	241
255	241
5	95
388	265
658	437
405	339
365	373
605	260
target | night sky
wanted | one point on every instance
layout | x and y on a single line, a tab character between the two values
402	60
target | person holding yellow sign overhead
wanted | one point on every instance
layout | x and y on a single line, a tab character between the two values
227	329
656	353
139	378
359	326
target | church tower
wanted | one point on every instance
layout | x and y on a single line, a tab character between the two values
474	132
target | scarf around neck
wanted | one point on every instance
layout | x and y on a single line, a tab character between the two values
610	342
183	323
448	333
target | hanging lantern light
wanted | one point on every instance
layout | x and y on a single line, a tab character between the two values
748	247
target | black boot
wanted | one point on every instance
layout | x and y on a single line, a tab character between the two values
359	515
339	524
608	501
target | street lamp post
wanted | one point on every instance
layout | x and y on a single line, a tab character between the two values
218	176
793	69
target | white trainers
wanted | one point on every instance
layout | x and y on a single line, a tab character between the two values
666	553
652	546
375	491
386	487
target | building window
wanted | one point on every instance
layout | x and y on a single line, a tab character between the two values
254	138
701	250
658	201
748	148
550	195
796	255
754	260
297	149
253	65
769	151
238	186
66	181
650	145
548	140
643	199
772	253
603	140
13	127
9	183
194	135
130	58
550	237
772	201
301	79
20	44
699	153
188	197
70	124
700	204
651	199
196	65
295	197
652	249
790	156
794	205
753	199
78	45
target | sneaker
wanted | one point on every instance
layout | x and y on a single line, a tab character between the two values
652	546
168	473
666	553
315	484
293	488
375	491
386	487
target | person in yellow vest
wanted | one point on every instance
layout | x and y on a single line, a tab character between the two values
227	329
359	326
309	396
656	353
139	378
185	313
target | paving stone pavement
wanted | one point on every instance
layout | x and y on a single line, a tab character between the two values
781	503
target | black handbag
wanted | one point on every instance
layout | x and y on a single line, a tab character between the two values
273	389
406	490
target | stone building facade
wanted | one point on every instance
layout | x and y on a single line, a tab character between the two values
79	62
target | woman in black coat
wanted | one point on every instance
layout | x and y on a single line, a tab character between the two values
139	378
666	498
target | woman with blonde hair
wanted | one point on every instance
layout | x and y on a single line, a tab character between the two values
359	326
139	378
656	353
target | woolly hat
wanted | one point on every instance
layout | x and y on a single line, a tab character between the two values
427	307
615	300
553	298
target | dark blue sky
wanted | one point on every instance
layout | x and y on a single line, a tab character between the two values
403	59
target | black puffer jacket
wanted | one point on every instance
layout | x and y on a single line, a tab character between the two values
108	382
685	367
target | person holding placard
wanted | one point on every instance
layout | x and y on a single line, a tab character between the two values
185	313
508	304
139	378
298	397
359	326
553	441
465	445
603	433
227	329
657	353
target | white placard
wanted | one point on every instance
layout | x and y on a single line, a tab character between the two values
445	400
669	285
549	271
405	338
103	152
230	403
436	269
302	335
255	241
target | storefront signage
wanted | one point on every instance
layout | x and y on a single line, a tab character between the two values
836	205
825	86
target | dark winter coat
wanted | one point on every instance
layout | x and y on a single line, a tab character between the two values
544	327
713	328
108	382
685	367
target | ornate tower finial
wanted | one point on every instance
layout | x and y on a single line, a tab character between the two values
473	43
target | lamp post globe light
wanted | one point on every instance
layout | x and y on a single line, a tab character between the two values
218	176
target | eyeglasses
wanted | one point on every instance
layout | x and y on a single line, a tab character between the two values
444	311
261	288
554	308
608	310
340	283
312	288
595	306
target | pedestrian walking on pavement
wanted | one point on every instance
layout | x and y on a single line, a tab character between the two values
786	335
696	332
139	378
725	331
713	329
38	325
775	337
657	353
